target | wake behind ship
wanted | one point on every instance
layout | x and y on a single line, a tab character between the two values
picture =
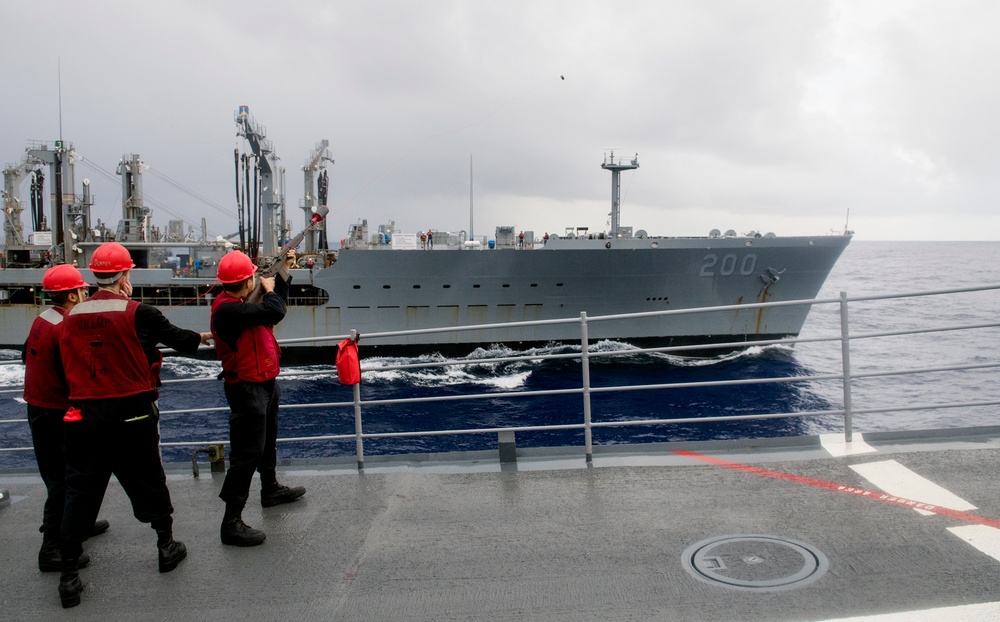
388	280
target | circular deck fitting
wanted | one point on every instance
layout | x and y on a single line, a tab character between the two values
755	562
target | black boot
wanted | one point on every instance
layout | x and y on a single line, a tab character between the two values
50	559
70	584
100	526
171	552
234	531
278	494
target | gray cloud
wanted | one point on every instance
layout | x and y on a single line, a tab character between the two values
776	116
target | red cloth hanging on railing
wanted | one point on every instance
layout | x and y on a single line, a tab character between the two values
348	366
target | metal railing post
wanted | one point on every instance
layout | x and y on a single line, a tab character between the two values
359	443
585	370
845	357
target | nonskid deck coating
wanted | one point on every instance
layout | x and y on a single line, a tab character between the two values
553	540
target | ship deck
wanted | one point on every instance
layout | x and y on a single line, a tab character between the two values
792	529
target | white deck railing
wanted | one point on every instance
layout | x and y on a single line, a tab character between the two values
585	390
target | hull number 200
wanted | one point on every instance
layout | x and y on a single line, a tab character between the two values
727	265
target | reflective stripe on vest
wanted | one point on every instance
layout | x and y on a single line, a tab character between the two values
100	305
52	316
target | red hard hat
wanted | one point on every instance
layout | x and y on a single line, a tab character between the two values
111	257
62	278
235	267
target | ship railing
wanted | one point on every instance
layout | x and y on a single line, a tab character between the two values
506	435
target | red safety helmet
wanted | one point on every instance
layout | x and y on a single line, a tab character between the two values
111	257
62	278
235	267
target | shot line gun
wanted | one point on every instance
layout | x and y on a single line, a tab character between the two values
276	263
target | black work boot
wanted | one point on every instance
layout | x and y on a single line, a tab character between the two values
70	584
278	494
100	526
171	552
234	531
50	559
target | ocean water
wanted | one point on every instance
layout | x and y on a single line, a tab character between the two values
865	269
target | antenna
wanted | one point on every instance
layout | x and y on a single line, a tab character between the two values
472	235
59	77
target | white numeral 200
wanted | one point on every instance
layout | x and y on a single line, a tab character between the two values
728	264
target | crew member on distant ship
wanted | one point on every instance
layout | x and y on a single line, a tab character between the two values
520	240
47	396
244	341
430	239
113	371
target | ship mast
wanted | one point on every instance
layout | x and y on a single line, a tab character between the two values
616	169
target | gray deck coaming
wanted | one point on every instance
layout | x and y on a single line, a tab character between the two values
593	543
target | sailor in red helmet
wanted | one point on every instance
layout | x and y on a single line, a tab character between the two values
244	341
47	396
113	377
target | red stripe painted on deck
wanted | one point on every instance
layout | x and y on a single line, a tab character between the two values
853	490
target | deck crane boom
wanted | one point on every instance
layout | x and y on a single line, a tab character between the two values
268	202
315	192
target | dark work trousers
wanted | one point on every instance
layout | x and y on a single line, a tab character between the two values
253	434
47	437
96	448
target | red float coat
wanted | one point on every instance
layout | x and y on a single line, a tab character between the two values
44	381
104	357
255	358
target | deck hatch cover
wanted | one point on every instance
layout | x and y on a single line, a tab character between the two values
755	562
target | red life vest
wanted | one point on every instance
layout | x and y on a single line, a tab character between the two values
44	384
103	356
255	358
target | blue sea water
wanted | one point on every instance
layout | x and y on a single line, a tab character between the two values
865	269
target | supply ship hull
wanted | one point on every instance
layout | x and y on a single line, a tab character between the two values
374	291
378	291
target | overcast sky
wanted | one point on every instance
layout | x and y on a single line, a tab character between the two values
764	115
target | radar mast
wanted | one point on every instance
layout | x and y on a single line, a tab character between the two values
616	168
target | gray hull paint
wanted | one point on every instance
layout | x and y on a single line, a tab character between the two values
433	289
375	291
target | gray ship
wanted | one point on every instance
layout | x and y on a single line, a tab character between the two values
387	280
